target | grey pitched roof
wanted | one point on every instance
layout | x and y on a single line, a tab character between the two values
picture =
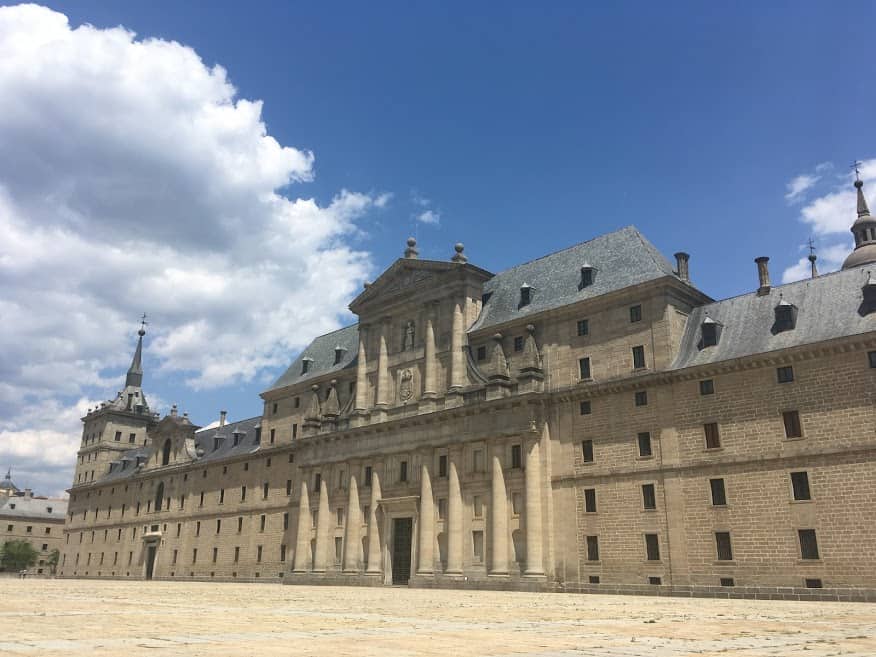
827	308
18	506
621	259
322	354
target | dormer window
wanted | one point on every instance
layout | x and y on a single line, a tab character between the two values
216	442
786	317
525	295
339	353
868	292
710	332
236	435
588	273
305	364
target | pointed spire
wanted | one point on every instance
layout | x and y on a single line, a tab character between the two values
331	409
812	258
863	210
135	372
864	229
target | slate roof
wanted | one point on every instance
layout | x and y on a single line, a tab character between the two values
621	259
206	446
322	353
827	308
18	506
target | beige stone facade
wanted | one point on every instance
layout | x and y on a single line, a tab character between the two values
35	519
586	421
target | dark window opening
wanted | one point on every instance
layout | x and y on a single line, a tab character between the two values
707	387
592	548
791	420
403	471
652	547
638	357
719	493
584	407
645	443
800	486
516	456
655	581
813	583
723	546
584	368
871	355
649	496
710	334
525	295
635	313
727	581
518	343
583	327
785	374
808	543
590	500
713	437
641	398
482	353
368	473
442	465
593	579
587	450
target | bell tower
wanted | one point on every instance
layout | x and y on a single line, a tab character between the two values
116	425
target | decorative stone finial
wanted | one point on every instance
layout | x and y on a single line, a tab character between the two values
459	257
411	251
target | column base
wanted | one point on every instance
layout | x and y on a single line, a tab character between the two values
528	573
378	413
425	573
453	398
503	573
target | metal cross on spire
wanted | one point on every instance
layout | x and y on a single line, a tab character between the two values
811	247
143	325
856	165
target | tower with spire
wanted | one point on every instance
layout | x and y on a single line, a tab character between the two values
117	424
864	230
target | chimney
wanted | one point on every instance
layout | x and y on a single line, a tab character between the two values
222	415
682	266
28	493
763	275
173	411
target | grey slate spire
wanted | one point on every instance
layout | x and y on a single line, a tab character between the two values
864	230
135	372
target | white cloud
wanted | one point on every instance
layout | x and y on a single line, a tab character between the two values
134	179
429	217
830	258
799	185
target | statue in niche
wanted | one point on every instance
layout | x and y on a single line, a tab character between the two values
408	340
406	387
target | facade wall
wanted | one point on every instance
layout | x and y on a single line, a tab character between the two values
44	535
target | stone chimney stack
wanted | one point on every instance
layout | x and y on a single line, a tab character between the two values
763	275
222	416
28	493
682	261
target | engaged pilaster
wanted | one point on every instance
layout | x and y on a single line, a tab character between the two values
374	551
454	522
426	557
499	519
302	539
323	521
534	560
352	544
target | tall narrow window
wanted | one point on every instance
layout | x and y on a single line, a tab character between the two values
635	313
516	456
273	435
403	471
649	497
165	452
584	407
584	368
590	500
368	474
724	548
262	520
800	486
442	465
719	494
871	356
518	343
645	443
592	548
288	487
808	543
477	543
791	420
638	357
652	547
713	437
587	450
265	489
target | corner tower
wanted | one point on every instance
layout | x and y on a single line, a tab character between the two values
864	230
115	425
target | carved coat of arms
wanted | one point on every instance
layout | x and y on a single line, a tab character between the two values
406	387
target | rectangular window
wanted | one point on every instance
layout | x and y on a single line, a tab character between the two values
592	548
282	552
587	450
239	524
722	544
273	435
584	407
288	487
442	508
442	465
132	437
221	495
645	443
584	368
236	554
813	583
593	579
635	313
583	327
641	398
197	529
368	472
274	409
871	355
727	581
477	507
785	374
792	424
482	353
173	562
265	489
800	486
294	430
719	494
808	543
317	481
259	554
477	545
285	521
516	456
291	458
652	547
218	525
713	437
638	357
262	520
649	496
518	343
118	437
215	554
340	517
707	387
195	555
478	460
590	500
403	471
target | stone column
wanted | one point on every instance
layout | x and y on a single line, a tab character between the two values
454	522
375	561
457	363
499	520
323	524
302	539
429	382
352	530
361	372
426	558
382	397
534	561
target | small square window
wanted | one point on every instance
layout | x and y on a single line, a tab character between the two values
584	368
590	500
641	398
707	387
808	543
482	353
518	343
719	494
649	497
723	546
584	407
785	374
713	437
727	581
635	313
791	419
583	327
587	450
655	581
638	357
800	486
645	443
813	583
593	579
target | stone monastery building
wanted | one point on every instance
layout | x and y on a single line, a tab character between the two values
586	421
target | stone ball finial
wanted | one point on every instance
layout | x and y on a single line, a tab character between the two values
314	387
459	247
411	251
530	328
333	383
497	337
412	241
859	184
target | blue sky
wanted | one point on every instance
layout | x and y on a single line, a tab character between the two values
520	128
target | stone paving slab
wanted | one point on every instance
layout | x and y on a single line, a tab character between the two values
55	618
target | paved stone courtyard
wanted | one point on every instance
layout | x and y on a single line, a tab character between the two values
70	617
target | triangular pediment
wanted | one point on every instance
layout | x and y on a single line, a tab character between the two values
409	276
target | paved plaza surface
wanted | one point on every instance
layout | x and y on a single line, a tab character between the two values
75	617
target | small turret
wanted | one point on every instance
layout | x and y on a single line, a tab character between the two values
864	230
